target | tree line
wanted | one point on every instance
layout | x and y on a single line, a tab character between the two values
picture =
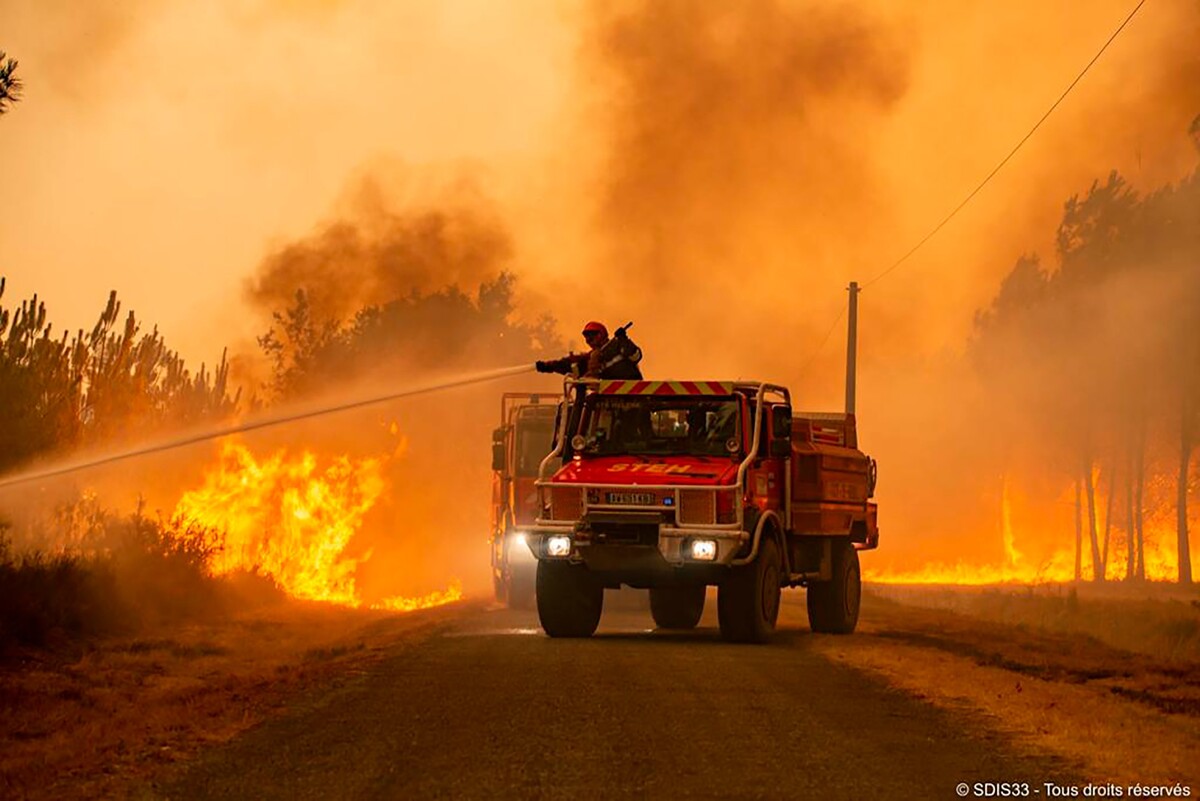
75	389
1092	363
420	332
87	387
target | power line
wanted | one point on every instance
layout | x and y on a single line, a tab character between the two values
1012	152
817	351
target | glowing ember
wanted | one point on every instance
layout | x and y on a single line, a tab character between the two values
292	520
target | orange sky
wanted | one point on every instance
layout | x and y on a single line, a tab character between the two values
162	149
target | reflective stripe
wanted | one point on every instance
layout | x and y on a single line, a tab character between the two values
666	388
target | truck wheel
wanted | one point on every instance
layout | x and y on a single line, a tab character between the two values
677	607
748	599
833	605
569	599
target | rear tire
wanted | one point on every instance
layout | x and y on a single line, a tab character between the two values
748	600
678	607
833	605
569	599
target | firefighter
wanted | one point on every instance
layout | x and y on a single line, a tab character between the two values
616	358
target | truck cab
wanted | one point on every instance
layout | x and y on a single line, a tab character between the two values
677	486
519	446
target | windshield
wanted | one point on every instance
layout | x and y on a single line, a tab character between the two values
648	426
535	435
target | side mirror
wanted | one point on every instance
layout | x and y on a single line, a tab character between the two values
497	435
781	422
498	454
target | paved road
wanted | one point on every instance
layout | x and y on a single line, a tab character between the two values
487	707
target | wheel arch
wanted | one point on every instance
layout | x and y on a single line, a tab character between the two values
770	525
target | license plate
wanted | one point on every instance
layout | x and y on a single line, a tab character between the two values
631	498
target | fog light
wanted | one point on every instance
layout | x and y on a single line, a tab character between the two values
704	550
518	538
558	545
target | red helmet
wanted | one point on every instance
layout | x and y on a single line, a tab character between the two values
595	328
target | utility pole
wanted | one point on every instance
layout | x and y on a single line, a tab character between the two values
852	348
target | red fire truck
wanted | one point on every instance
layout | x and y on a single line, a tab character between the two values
676	486
519	446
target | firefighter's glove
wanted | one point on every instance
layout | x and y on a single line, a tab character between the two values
543	367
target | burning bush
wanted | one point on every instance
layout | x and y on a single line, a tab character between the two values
291	517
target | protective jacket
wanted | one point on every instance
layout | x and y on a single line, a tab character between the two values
616	358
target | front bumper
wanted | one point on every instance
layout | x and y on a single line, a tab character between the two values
671	548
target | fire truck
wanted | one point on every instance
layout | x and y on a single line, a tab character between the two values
519	447
677	486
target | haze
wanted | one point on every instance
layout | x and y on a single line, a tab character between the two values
716	173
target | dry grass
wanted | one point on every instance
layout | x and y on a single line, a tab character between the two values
112	712
1159	620
1120	716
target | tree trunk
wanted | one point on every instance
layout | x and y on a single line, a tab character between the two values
1141	487
1090	484
1108	511
1078	531
1130	535
1186	444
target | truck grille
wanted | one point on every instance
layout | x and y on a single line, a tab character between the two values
566	503
697	507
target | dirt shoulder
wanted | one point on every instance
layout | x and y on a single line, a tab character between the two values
89	720
1123	717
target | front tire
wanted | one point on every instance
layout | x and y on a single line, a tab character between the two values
569	599
677	607
748	600
833	605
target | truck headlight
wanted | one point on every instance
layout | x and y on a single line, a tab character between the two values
558	546
518	539
703	550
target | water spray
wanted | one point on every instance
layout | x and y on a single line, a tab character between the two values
259	423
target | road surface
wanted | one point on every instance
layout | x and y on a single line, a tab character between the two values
485	706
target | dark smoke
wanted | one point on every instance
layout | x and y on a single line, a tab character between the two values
380	250
731	124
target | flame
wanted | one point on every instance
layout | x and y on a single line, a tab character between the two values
1057	565
292	519
1057	568
437	598
1013	557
